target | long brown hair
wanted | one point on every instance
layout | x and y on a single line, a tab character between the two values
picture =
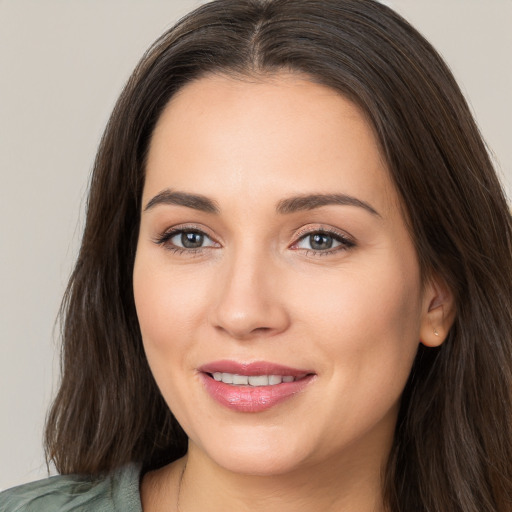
453	443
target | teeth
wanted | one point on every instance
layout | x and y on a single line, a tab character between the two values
253	380
258	380
240	379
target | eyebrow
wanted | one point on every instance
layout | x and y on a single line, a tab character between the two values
195	201
284	207
312	201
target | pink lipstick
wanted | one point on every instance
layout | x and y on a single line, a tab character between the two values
252	387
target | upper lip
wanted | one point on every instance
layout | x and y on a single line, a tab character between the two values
252	368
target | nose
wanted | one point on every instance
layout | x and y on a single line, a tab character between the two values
250	303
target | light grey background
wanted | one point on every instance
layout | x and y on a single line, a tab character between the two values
62	66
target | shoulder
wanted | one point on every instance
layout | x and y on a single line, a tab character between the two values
116	491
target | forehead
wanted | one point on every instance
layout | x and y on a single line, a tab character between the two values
276	135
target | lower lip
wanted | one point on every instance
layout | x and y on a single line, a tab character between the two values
253	398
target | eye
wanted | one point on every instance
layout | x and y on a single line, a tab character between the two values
318	242
188	239
183	240
321	241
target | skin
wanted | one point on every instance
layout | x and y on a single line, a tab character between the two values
353	314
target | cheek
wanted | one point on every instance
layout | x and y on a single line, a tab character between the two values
369	328
367	321
362	302
169	306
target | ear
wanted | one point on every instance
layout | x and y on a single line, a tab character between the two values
438	312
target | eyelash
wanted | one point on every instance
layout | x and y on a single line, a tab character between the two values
345	242
166	236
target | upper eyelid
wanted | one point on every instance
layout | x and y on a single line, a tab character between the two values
345	240
298	234
303	232
180	228
165	236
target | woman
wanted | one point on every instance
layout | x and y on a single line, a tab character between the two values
296	243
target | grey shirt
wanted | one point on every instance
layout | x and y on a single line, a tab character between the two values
118	491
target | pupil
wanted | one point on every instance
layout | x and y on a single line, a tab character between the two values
319	242
192	240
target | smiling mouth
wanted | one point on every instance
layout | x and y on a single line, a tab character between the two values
253	387
254	380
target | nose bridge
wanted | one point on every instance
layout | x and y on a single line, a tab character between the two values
249	300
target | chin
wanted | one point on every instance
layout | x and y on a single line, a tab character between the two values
257	465
251	454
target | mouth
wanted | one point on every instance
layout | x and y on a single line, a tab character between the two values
253	387
254	380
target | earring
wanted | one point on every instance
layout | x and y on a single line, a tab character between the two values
435	332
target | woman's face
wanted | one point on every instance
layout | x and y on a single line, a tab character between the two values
273	255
